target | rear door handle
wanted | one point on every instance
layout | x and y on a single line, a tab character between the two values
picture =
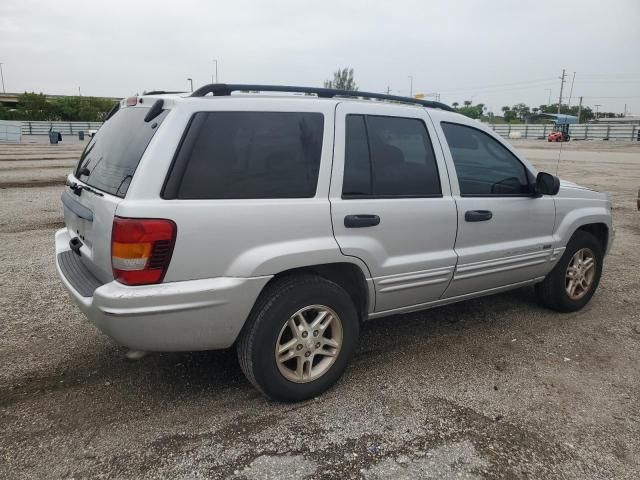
361	220
478	215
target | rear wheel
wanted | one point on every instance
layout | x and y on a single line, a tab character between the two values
576	276
299	338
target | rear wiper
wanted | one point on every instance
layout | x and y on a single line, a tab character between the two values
77	188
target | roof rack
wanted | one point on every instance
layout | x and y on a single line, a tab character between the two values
223	89
161	92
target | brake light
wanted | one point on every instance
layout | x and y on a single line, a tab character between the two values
132	101
141	249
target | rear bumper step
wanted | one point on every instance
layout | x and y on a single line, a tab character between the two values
79	276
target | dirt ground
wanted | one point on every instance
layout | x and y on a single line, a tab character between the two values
497	387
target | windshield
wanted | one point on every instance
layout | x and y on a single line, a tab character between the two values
111	158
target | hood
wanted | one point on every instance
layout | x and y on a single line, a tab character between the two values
573	190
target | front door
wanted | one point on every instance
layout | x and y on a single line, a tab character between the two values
504	232
391	203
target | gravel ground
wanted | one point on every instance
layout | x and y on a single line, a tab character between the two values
497	387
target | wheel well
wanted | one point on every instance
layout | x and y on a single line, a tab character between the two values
598	230
347	275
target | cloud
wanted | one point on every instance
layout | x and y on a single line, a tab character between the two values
118	48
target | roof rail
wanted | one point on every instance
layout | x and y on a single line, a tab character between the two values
224	89
161	92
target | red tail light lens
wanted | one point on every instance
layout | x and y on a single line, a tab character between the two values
141	249
132	101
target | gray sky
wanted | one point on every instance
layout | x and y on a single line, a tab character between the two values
495	51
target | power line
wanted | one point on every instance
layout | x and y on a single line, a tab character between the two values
498	85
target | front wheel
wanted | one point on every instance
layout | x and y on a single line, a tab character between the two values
576	276
299	338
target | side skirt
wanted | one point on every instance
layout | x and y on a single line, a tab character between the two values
447	301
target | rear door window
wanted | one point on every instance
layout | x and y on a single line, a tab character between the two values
113	154
388	157
242	155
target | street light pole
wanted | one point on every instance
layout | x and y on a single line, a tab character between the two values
216	63
411	85
2	75
190	80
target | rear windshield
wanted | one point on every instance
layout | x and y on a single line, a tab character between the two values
112	156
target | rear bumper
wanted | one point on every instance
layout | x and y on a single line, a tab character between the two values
203	314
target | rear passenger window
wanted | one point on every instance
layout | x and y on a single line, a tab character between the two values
388	157
249	155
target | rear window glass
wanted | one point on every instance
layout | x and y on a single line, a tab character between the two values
239	155
112	156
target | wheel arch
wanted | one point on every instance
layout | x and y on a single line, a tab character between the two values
595	220
347	275
600	231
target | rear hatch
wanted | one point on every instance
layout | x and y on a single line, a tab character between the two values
100	182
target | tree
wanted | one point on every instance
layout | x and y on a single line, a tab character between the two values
342	80
33	106
471	111
508	114
455	105
36	106
521	110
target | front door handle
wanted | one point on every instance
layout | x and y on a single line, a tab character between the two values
478	215
361	220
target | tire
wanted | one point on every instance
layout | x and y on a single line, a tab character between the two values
269	323
552	291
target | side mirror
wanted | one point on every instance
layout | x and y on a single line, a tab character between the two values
547	184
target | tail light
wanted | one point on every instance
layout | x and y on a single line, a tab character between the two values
141	249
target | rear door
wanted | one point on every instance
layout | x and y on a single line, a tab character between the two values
106	168
504	232
391	205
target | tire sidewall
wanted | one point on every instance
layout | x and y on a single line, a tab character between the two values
578	241
272	318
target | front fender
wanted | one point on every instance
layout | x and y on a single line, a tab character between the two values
570	217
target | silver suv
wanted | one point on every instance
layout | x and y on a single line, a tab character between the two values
278	223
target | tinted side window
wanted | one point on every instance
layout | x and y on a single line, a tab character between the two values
483	165
389	156
357	162
252	155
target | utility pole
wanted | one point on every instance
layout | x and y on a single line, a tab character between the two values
571	90
549	101
388	89
561	87
2	75
216	63
597	106
411	86
190	80
579	109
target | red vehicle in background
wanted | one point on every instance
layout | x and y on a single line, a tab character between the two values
560	134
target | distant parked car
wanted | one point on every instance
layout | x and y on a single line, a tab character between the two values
278	224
